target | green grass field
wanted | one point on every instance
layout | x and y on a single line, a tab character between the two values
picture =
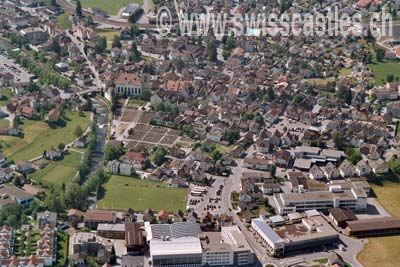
4	122
110	6
63	21
127	192
37	136
109	34
384	251
6	95
134	102
58	172
382	69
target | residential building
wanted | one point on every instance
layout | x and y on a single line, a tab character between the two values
95	217
256	164
112	231
116	167
46	217
13	195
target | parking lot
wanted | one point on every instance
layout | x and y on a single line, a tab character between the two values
210	201
8	65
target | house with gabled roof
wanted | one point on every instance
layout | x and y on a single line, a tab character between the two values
346	169
316	173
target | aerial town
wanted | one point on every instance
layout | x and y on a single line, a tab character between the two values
128	138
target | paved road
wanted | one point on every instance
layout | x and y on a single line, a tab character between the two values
232	184
81	47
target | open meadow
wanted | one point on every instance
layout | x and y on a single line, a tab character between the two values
128	192
37	136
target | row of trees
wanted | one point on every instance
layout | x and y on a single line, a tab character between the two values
45	75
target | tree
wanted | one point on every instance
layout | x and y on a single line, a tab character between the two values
212	51
338	139
74	196
231	135
390	77
17	181
272	170
135	31
216	155
12	220
53	3
135	55
379	54
78	9
56	46
298	98
112	152
78	131
101	45
159	156
270	93
33	87
61	146
145	95
116	42
89	20
353	155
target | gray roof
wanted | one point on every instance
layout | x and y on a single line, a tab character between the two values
175	230
276	219
15	192
266	231
332	153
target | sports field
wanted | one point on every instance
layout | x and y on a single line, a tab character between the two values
128	192
110	6
37	136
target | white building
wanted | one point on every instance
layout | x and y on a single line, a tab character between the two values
117	167
128	84
184	251
242	253
218	254
354	199
273	242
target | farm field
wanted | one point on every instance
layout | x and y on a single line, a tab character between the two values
128	192
111	7
58	172
37	136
